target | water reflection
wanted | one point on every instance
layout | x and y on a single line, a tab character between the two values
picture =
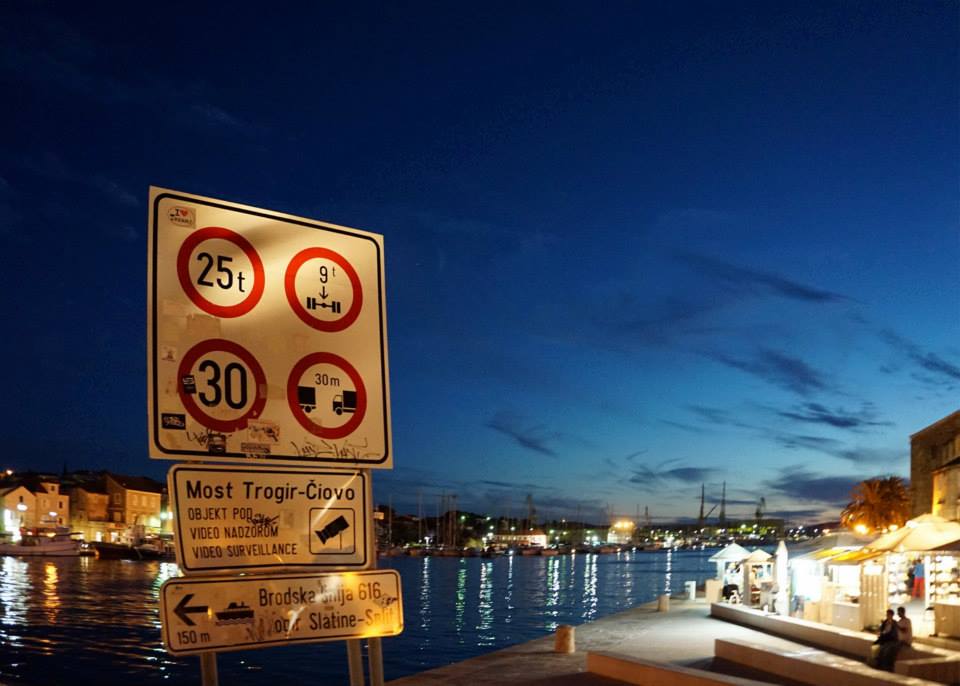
51	601
461	601
553	592
669	574
590	587
425	596
99	619
485	605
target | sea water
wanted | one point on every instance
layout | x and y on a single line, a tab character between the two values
78	621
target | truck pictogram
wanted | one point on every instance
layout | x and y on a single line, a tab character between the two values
345	402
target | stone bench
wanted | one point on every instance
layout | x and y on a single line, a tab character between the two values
923	661
633	670
809	665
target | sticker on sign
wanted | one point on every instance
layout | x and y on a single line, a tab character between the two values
266	334
242	613
269	518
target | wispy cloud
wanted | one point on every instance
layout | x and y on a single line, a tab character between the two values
840	418
655	477
535	438
776	368
717	416
688	428
801	484
757	282
839	449
50	166
930	362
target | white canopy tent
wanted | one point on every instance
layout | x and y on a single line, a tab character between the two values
926	532
733	553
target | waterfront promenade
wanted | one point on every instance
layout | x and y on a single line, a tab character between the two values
683	636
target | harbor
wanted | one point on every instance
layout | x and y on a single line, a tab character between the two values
490	344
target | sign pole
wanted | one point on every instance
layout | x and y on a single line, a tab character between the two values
376	662
208	669
375	654
355	662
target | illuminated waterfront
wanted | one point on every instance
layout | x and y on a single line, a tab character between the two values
88	621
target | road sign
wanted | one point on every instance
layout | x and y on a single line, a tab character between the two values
266	337
242	613
269	518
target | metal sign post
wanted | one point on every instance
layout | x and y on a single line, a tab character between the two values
267	348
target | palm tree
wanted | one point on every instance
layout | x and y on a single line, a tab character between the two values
877	504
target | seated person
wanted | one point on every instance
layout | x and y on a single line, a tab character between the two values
888	643
904	626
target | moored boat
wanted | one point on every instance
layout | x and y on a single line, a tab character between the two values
56	542
124	551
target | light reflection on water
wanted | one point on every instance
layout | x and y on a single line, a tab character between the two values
86	621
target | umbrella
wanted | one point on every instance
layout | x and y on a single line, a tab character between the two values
758	556
926	532
783	580
732	553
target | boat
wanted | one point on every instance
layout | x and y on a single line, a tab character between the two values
125	551
56	542
235	613
530	550
549	552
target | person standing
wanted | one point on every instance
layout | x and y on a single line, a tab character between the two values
918	580
904	627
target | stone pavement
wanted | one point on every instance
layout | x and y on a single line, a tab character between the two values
683	636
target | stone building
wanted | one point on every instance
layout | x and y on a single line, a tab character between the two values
135	501
935	468
31	502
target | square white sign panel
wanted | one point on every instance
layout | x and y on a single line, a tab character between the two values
267	337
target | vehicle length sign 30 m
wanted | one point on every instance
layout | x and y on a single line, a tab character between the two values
227	613
266	518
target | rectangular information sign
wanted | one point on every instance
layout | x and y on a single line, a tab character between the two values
269	518
267	337
242	613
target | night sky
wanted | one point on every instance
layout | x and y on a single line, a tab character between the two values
630	247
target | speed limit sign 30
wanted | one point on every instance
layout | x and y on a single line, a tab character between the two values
266	336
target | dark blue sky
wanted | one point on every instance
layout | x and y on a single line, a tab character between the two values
630	247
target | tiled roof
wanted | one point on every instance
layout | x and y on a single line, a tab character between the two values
137	483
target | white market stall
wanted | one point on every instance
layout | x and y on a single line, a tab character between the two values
824	576
758	579
921	562
728	570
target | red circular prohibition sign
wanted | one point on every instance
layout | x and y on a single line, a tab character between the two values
326	432
290	287
183	272
190	405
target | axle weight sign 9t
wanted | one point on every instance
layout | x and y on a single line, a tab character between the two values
266	337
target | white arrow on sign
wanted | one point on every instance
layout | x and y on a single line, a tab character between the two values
242	613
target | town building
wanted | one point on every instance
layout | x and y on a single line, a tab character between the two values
935	468
621	532
532	538
135	501
32	502
114	507
89	514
